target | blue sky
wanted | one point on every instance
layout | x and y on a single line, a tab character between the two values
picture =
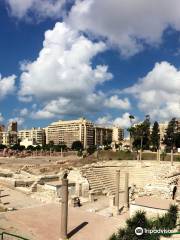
99	59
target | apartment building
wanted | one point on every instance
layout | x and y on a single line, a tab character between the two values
162	130
69	131
117	134
9	138
2	129
12	127
35	135
102	135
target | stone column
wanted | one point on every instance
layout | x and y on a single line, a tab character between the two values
157	154
79	189
50	152
172	157
64	209
126	190
91	196
117	190
140	156
61	153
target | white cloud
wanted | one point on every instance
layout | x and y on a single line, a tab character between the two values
158	92
116	102
63	76
42	114
19	120
122	121
23	112
38	8
1	118
92	103
126	23
7	85
104	121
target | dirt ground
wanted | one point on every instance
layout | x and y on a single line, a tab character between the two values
45	164
43	223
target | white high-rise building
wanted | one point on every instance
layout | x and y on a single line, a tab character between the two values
70	131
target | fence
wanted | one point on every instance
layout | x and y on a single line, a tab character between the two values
10	236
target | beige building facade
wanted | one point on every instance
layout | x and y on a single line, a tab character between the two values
117	134
9	138
102	135
69	131
162	130
34	135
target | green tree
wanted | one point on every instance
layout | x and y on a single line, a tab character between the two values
58	147
141	134
2	146
38	148
131	118
30	147
177	140
17	147
77	145
155	136
146	132
91	149
167	221
107	142
170	136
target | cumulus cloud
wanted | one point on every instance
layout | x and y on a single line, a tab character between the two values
24	112
1	117
122	121
126	24
104	121
92	103
63	75
116	102
158	92
7	85
19	120
38	8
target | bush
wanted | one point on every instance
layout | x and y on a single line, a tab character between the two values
91	150
77	145
2	146
168	221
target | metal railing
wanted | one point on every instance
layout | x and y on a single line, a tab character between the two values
3	236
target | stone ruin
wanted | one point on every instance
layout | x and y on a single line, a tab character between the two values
97	179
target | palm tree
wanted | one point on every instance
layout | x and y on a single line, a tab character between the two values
131	118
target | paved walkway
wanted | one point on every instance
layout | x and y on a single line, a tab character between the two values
43	223
16	199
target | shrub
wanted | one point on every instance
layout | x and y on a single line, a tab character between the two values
168	221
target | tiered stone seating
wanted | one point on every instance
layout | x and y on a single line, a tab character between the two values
103	178
108	179
93	180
